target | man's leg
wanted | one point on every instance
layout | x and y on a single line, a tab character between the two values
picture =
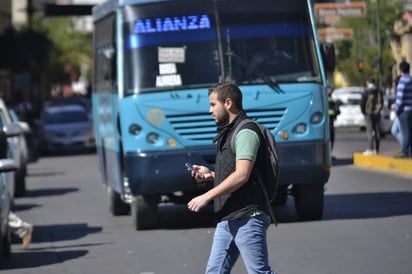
224	252
369	131
403	125
376	132
251	241
409	131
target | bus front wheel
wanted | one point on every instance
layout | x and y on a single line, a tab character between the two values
309	201
145	212
116	205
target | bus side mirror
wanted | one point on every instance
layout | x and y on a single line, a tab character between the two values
328	56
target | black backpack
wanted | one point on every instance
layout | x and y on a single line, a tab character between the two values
269	179
373	103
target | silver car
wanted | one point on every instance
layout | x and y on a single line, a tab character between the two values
7	169
18	148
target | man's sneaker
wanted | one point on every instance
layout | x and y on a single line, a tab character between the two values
368	152
27	236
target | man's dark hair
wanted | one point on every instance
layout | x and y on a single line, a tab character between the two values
404	67
228	90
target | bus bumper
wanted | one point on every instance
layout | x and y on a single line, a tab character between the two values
165	172
304	163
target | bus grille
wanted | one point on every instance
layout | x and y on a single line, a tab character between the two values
202	127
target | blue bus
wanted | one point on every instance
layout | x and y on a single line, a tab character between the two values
154	61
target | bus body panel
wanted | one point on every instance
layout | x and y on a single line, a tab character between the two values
108	143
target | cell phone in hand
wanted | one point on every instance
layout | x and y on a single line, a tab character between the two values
190	167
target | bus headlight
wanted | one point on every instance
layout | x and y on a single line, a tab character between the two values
152	138
300	128
316	118
135	129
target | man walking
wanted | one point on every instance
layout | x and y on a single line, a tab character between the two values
239	203
403	109
371	106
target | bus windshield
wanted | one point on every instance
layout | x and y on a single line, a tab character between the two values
186	45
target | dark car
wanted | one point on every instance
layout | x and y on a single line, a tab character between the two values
65	127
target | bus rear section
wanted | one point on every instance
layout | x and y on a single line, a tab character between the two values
150	100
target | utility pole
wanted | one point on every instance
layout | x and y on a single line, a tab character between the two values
30	11
378	37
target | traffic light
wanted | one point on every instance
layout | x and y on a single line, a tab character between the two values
361	65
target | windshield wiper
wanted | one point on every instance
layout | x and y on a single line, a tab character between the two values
232	55
273	84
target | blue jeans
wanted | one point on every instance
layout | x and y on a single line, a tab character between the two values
245	237
405	122
396	131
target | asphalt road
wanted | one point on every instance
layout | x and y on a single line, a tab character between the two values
367	225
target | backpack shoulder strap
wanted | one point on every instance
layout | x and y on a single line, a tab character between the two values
236	131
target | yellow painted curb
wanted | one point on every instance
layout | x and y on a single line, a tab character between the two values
384	163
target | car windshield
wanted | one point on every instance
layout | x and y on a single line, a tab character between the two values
63	117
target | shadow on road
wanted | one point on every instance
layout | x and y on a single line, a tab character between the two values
50	191
47	255
367	205
29	259
62	232
342	161
355	206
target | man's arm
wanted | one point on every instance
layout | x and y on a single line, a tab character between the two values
233	182
247	146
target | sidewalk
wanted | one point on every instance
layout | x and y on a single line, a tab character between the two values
384	162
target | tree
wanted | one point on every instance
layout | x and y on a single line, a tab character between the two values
70	46
364	44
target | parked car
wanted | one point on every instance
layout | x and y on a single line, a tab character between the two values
6	166
7	169
64	127
348	99
72	100
18	148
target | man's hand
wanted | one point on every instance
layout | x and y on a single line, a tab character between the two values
197	203
202	173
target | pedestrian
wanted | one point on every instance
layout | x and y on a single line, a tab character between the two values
371	105
239	205
333	112
403	108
